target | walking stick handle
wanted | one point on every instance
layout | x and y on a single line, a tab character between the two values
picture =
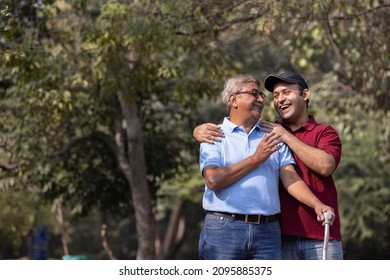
328	218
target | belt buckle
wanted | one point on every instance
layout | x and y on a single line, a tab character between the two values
252	222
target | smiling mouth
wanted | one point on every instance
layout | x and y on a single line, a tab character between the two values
258	105
284	107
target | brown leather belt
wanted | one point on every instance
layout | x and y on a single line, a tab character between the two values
249	219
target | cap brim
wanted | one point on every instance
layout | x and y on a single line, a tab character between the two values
270	82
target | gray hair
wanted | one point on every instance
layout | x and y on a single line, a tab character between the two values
234	85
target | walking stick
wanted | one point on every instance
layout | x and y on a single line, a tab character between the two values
328	218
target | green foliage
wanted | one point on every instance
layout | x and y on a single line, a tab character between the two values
67	65
21	211
88	178
63	62
363	187
362	176
339	37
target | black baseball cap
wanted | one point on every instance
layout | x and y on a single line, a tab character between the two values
289	77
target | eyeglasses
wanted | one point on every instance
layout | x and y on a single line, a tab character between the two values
255	93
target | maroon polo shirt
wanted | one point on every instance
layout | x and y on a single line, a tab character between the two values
296	218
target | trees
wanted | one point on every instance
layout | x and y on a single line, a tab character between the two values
86	76
99	98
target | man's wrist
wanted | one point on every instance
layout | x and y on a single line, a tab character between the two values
254	161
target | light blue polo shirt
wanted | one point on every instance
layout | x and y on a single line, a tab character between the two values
256	192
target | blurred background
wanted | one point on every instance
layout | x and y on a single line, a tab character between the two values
99	100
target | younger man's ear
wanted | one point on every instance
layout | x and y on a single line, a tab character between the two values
306	93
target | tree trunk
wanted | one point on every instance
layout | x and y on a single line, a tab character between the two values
173	234
103	235
131	158
60	221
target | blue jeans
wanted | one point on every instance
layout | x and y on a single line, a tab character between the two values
224	239
301	248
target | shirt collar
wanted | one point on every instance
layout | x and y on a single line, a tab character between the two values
231	127
309	125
